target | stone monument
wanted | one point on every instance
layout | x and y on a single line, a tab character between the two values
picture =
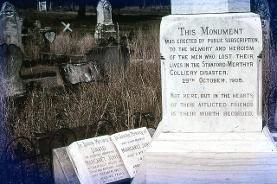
11	58
11	51
105	28
212	129
10	25
104	159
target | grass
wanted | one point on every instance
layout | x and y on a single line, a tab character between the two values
133	92
72	44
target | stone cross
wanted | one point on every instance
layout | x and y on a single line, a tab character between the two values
10	25
66	27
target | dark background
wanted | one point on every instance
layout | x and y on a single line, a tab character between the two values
115	3
32	4
26	4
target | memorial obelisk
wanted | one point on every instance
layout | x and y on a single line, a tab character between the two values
212	130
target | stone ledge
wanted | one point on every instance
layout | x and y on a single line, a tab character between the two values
211	158
209	6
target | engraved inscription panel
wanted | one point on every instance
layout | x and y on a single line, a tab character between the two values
101	158
132	145
211	72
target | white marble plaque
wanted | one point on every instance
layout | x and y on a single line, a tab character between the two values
209	6
211	74
131	146
97	161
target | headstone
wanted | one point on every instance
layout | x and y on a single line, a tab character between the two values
10	25
83	72
211	130
11	58
105	29
113	59
50	36
104	13
42	6
105	159
41	37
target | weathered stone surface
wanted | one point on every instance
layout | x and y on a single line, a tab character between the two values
131	146
211	159
45	76
54	59
113	58
105	32
209	6
85	72
50	36
104	13
10	25
115	149
42	6
97	160
63	169
11	58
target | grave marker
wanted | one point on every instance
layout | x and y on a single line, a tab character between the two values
50	36
104	13
66	27
82	72
11	58
105	159
10	25
42	6
105	28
